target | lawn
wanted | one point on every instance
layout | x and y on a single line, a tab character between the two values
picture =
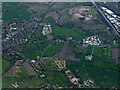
57	79
15	12
5	65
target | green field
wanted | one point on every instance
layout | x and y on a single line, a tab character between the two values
63	33
5	65
53	49
34	49
104	78
100	64
24	82
15	12
33	82
36	45
57	79
49	65
49	20
7	81
22	72
104	55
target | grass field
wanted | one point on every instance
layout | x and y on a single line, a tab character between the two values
15	12
104	55
36	45
102	77
21	72
7	81
89	50
56	78
24	82
34	82
49	65
5	65
49	20
63	33
34	49
100	64
53	49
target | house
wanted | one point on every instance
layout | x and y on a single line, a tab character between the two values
89	57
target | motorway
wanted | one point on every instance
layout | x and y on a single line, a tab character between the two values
105	17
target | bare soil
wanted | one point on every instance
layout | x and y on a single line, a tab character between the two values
11	72
66	53
29	69
116	54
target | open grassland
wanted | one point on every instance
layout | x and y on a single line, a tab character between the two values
24	82
102	77
34	49
53	49
15	12
49	20
20	71
103	55
57	79
34	82
36	45
48	63
7	81
63	33
5	65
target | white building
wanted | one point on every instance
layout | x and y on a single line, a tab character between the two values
109	11
93	41
47	29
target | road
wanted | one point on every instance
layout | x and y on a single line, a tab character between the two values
105	17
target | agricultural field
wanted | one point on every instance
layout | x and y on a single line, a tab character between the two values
24	82
100	76
35	46
34	82
63	32
5	65
15	12
48	63
56	79
20	71
53	49
7	81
